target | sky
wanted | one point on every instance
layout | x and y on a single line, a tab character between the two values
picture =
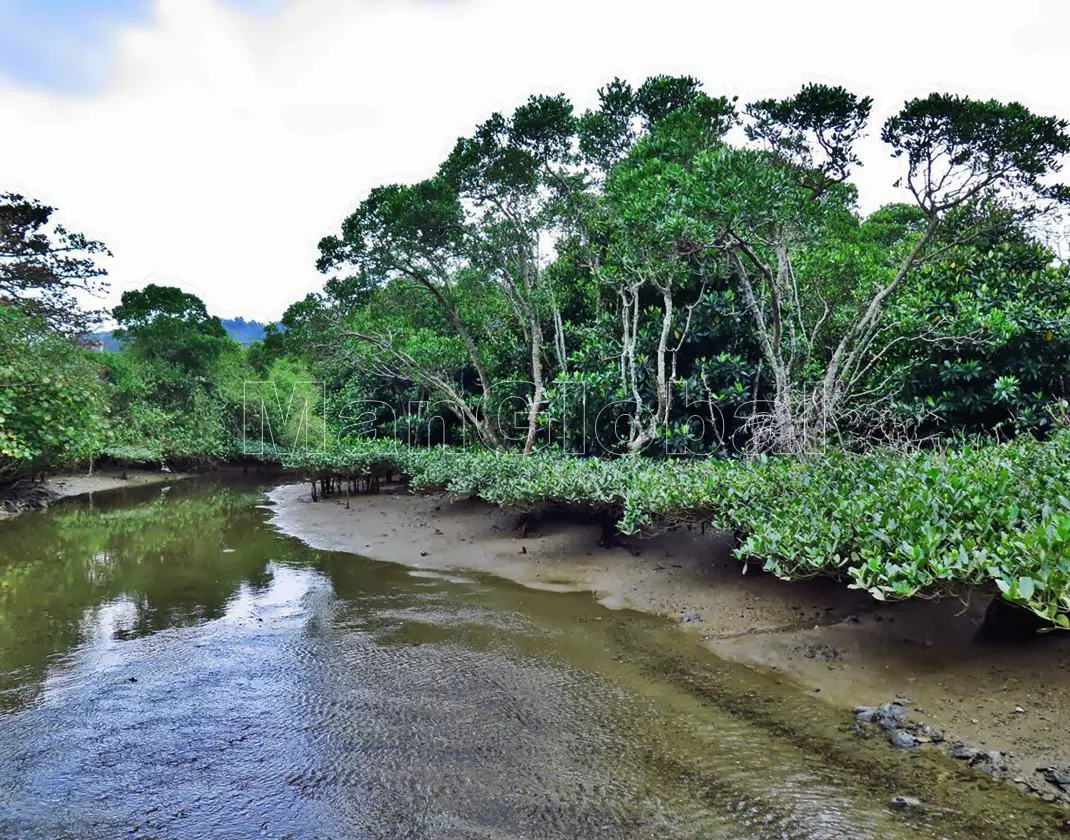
212	143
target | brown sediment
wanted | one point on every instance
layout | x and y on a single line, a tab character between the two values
840	644
68	485
110	479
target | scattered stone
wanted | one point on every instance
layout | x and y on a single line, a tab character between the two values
423	553
692	616
827	653
890	720
927	731
1057	776
903	803
1018	710
988	762
962	751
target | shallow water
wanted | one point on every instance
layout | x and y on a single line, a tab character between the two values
171	667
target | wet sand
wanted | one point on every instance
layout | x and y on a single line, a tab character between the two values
839	644
68	485
79	484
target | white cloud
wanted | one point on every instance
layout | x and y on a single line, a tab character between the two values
227	142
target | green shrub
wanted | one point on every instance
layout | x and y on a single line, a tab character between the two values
52	409
898	525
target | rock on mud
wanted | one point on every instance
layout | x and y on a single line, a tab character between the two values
963	752
903	741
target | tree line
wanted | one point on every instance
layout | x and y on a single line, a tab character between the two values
699	270
670	271
669	266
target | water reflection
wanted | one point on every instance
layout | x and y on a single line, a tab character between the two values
171	667
129	569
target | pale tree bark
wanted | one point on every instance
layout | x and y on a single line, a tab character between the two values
394	362
803	415
535	329
646	421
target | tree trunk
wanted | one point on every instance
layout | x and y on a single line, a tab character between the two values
485	426
537	379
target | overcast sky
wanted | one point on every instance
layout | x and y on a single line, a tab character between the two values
211	143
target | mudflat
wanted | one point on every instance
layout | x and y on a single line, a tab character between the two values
839	644
30	496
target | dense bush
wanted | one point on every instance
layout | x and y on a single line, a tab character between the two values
997	326
175	386
159	412
903	525
52	409
897	525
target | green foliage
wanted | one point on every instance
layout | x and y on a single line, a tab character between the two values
813	131
158	414
52	408
996	323
283	411
176	386
931	522
167	324
635	267
44	266
398	230
958	148
897	525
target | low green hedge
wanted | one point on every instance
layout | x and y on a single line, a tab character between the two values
897	525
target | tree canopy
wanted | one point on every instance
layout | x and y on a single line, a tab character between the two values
668	273
44	266
164	322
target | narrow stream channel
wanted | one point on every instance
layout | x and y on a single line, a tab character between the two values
171	667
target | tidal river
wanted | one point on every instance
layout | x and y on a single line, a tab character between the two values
171	667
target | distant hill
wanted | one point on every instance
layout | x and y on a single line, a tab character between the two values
106	339
242	331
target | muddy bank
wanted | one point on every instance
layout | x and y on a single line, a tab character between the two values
27	495
841	645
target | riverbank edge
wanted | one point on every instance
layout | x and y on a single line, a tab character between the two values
26	496
839	652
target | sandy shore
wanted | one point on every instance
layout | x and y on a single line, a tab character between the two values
111	479
81	484
839	644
